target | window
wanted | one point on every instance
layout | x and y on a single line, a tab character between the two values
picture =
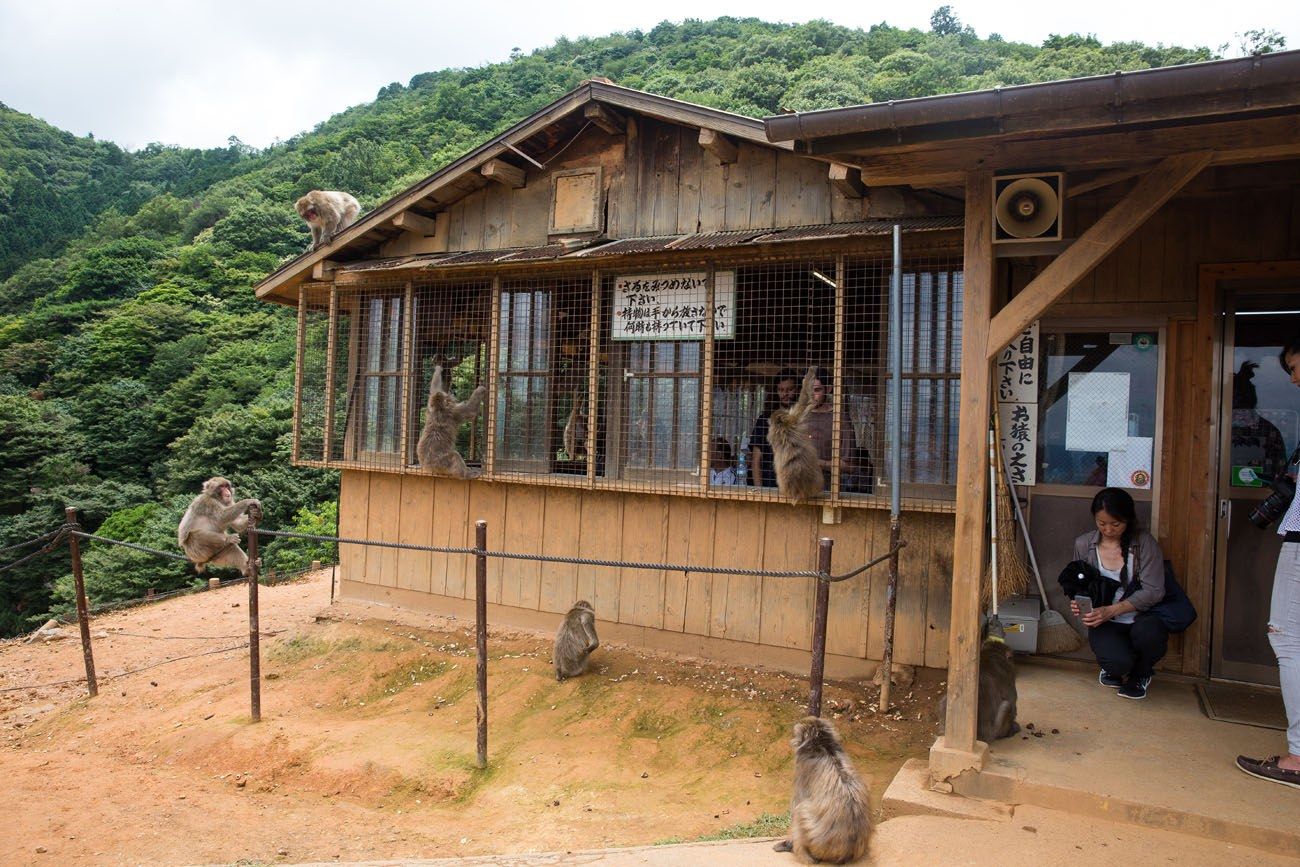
375	432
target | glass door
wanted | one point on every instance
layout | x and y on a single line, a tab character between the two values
1260	428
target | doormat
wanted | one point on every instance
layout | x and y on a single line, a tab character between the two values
1237	703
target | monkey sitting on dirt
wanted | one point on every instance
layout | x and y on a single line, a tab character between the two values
830	810
794	455
202	533
436	447
575	640
327	212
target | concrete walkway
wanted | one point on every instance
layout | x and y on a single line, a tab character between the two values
1029	836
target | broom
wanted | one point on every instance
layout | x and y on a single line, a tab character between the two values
1054	634
1013	574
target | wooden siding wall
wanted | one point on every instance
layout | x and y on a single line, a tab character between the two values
773	612
658	181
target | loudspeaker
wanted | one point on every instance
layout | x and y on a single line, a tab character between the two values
1028	207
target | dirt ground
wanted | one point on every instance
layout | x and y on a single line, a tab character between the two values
367	742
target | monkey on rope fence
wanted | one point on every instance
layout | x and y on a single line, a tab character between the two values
204	531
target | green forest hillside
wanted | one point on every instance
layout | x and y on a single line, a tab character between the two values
134	360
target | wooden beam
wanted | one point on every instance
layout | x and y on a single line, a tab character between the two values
503	173
324	270
412	222
1094	245
1105	179
959	750
606	118
846	179
719	145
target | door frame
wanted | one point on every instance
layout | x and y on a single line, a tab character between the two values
1214	282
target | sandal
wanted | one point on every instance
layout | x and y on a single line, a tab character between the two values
1269	769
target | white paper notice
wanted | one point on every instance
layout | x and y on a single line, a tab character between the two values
1096	418
1130	468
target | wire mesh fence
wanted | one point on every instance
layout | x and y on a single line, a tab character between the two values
623	379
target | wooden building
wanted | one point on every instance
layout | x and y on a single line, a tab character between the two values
1173	271
1146	308
567	266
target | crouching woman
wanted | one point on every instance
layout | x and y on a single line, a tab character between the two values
1127	638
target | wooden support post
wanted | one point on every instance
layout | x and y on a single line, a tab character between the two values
1094	245
847	179
83	607
503	173
819	627
958	750
419	224
719	145
606	118
254	645
480	637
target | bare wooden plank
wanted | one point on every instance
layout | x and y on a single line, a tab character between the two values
938	596
1156	188
663	192
739	541
415	527
452	528
1152	258
354	504
497	200
487	502
602	522
690	540
381	525
803	192
913	585
846	620
689	195
472	229
724	149
624	208
529	214
559	587
713	193
525	521
641	591
790	542
456	226
762	180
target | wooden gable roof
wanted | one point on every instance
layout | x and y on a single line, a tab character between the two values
525	145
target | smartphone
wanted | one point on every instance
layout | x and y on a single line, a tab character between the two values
1085	604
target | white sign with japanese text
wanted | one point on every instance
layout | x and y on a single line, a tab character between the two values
1017	368
672	306
1018	428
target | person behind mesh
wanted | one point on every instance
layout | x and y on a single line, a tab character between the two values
722	466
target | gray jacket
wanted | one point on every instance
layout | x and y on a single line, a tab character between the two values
1145	561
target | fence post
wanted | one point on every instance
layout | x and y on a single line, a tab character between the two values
83	609
254	646
819	626
891	604
480	627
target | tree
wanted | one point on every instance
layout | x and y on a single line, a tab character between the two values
944	23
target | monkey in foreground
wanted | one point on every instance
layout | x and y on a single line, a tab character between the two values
328	212
996	716
202	533
830	809
436	447
575	640
575	431
794	455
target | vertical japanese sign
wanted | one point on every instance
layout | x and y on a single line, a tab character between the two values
673	306
1016	380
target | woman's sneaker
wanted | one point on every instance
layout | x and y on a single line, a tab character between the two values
1135	688
1109	680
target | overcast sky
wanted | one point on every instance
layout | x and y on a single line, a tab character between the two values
194	72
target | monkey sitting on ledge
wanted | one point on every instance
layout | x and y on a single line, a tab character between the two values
327	212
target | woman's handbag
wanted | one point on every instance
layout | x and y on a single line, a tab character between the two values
1175	610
